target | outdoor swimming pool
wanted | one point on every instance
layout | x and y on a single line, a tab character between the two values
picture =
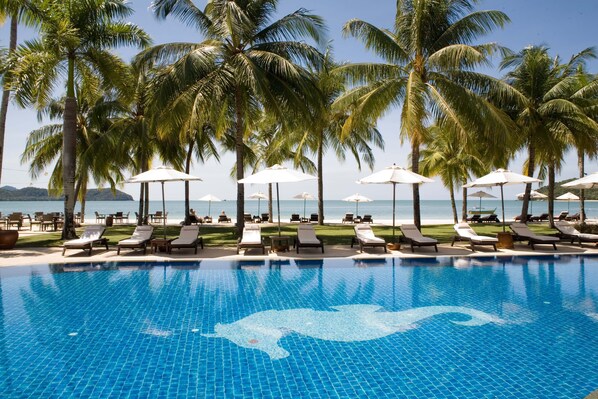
441	328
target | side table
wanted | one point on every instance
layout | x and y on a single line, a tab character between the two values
280	243
161	244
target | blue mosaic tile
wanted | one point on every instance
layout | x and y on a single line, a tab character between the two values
140	330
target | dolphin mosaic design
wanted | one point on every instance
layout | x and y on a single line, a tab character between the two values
348	323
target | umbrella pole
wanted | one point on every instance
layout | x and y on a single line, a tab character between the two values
210	208
304	201
480	207
278	206
356	208
163	211
502	202
394	195
258	206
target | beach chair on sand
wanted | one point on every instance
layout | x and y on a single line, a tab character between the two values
414	237
561	216
522	232
348	218
313	217
366	238
474	218
252	238
188	238
367	219
465	232
139	239
90	236
295	218
306	238
568	231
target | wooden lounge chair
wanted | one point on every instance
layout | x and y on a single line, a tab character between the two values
188	238
15	219
465	232
222	218
561	216
474	218
568	231
139	239
348	218
367	219
489	219
313	217
528	218
366	238
574	217
252	238
295	218
542	218
247	217
306	238
265	217
90	236
522	232
414	237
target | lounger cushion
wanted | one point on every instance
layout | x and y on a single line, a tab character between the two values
91	234
139	236
523	231
366	235
187	236
465	231
566	228
411	232
251	235
307	235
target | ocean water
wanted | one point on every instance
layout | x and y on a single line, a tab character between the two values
333	210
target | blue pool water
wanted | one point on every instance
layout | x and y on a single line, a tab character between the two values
441	328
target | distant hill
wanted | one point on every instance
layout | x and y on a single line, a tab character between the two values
9	193
591	194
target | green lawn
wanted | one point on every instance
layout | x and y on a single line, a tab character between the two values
222	236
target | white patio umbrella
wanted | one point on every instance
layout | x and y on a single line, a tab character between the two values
501	177
258	196
533	196
567	197
209	198
589	181
277	174
394	175
162	174
357	198
304	196
481	194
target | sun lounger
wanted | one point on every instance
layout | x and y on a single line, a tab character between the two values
188	238
522	232
265	217
542	218
414	237
348	218
223	219
139	239
366	238
528	218
561	216
367	219
474	218
489	219
574	217
90	236
295	218
252	238
570	232
313	217
306	238
465	232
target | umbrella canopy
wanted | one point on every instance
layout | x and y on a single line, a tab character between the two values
394	175
481	194
589	181
161	175
357	198
277	174
258	196
209	198
501	177
304	196
568	197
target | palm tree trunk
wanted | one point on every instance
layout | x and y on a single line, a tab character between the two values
240	150
141	201
464	207
531	159
582	192
415	169
69	153
321	178
187	170
6	93
551	175
453	203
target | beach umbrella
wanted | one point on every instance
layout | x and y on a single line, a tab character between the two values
567	197
277	174
394	175
161	175
357	198
586	182
533	196
501	177
481	194
209	198
304	196
258	196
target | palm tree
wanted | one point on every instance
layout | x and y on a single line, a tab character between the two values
428	71
18	12
549	109
324	131
453	160
74	46
246	63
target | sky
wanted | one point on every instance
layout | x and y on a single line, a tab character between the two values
566	27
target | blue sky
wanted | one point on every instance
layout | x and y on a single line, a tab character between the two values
565	27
